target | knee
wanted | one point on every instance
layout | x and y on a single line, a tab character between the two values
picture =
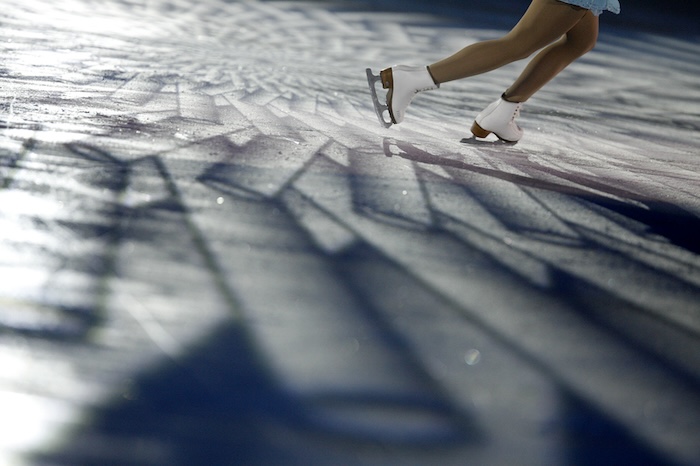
580	46
523	53
588	45
519	47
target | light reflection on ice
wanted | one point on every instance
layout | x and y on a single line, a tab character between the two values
19	202
29	422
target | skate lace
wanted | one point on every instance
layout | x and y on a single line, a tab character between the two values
516	112
427	88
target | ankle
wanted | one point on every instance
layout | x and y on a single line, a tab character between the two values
432	76
511	98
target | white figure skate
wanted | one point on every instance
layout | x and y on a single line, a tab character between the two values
499	119
403	83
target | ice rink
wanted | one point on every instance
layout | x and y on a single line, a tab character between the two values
212	253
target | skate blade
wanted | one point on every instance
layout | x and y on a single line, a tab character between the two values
380	108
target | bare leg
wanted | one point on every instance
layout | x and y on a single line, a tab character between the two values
544	22
550	61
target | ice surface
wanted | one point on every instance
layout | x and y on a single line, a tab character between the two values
212	253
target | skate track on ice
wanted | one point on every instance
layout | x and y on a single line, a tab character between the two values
213	254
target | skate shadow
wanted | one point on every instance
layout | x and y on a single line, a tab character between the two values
490	142
674	223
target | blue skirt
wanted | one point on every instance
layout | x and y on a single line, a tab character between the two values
596	6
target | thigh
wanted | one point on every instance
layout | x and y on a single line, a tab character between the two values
584	34
544	22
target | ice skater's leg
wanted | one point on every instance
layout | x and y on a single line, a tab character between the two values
550	61
544	22
499	117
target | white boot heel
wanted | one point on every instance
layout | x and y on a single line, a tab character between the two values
499	119
478	131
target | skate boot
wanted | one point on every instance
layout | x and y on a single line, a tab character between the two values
404	82
499	119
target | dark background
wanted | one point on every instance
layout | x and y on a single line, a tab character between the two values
676	17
